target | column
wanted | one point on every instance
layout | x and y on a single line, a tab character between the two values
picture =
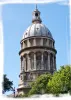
24	64
21	63
34	61
48	61
29	63
42	67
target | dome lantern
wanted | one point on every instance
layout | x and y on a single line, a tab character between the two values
36	16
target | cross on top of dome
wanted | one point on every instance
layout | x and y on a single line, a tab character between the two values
36	6
36	16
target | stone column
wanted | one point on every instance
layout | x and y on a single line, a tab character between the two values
24	64
48	61
42	67
21	63
29	63
34	61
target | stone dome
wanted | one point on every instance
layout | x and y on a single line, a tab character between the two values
37	29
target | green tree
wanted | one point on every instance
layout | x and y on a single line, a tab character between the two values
39	85
61	81
7	84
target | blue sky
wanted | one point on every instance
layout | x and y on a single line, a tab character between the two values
17	17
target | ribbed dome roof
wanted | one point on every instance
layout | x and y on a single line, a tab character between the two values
37	29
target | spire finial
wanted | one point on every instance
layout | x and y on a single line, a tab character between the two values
36	15
36	6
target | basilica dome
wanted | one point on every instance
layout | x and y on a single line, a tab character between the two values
37	28
37	53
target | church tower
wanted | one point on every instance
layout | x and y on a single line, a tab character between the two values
37	54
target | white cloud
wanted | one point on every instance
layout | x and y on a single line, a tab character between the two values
63	2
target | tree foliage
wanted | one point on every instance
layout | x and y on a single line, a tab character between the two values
7	84
39	85
61	81
58	83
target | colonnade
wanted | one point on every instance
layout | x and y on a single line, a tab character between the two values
38	61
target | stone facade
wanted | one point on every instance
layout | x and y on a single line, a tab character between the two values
37	55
